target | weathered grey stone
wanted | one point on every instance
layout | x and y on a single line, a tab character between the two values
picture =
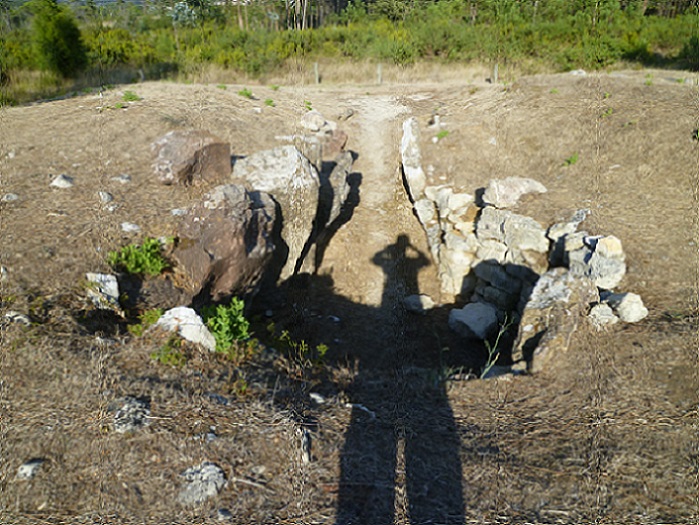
474	321
63	182
205	481
418	304
490	224
504	193
17	317
503	300
627	306
557	303
226	243
191	156
337	183
29	469
105	197
602	315
412	159
188	325
497	276
130	227
10	197
490	250
124	178
314	122
426	211
601	259
130	414
524	234
103	291
440	196
294	183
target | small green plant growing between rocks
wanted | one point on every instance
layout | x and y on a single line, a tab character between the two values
146	320
269	102
170	354
146	259
130	96
231	330
493	352
307	104
554	91
245	92
274	87
695	134
222	86
299	353
573	159
608	112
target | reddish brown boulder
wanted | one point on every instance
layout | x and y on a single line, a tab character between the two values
225	243
187	157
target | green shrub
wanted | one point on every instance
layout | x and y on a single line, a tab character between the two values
690	53
57	40
245	92
146	259
229	327
130	96
147	319
170	354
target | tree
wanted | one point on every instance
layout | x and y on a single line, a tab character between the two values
56	38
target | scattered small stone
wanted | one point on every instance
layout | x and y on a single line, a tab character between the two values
103	291
131	414
224	515
317	398
29	469
62	182
3	274
578	73
346	114
129	227
122	179
188	325
178	212
418	304
334	318
218	399
602	315
10	197
105	197
205	481
305	446
11	154
17	317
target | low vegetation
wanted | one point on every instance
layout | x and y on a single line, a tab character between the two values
145	259
43	43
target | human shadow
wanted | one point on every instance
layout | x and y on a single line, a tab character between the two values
400	460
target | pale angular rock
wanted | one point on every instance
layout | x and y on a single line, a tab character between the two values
294	183
491	223
426	211
130	227
226	243
17	317
205	481
524	234
103	291
602	315
628	306
130	414
29	469
338	184
105	197
418	304
474	321
187	157
490	250
412	159
313	121
551	316
10	197
63	182
601	259
188	325
504	193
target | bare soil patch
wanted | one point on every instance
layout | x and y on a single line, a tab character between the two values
609	435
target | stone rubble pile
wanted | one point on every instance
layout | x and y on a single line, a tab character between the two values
508	267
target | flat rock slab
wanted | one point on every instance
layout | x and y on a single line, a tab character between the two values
504	193
188	325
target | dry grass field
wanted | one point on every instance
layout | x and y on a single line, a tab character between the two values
609	434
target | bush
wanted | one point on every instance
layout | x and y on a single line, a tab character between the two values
145	259
228	325
57	40
690	53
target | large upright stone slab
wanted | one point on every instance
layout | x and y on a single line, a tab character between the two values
294	183
225	243
412	159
